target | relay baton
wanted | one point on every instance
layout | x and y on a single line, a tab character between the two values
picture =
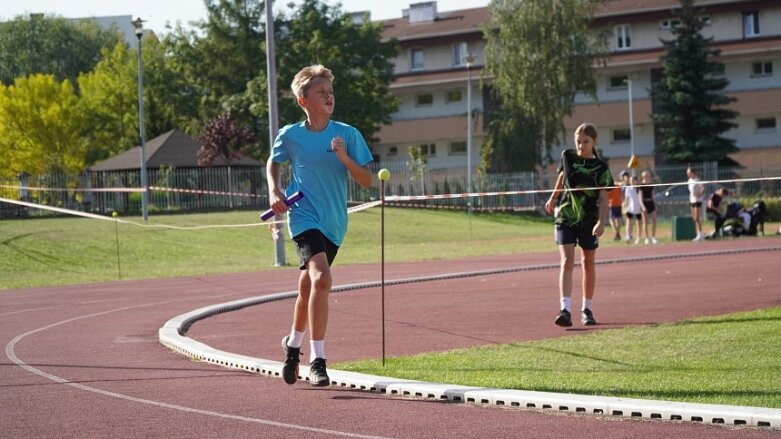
288	201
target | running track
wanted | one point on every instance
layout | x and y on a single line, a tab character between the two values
84	361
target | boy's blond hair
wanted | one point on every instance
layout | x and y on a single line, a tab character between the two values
303	78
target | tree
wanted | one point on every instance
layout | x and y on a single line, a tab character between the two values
540	54
109	100
317	33
40	127
51	45
223	137
690	111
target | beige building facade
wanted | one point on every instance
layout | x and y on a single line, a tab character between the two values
431	80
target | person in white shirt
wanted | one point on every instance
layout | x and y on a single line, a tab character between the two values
632	206
696	196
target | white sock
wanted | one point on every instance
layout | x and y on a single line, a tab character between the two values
295	339
566	303
587	303
318	349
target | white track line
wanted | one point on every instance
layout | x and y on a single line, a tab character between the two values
11	354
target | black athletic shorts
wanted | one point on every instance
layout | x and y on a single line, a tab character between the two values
311	242
582	236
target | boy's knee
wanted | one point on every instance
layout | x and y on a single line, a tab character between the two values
321	281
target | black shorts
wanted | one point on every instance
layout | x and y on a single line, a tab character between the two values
697	204
630	215
311	242
615	212
650	206
582	236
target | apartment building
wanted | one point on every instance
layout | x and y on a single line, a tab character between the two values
432	77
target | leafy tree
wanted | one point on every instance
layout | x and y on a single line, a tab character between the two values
223	137
540	54
40	127
109	99
317	33
690	110
51	45
220	56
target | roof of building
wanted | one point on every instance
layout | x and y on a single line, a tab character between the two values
173	148
446	23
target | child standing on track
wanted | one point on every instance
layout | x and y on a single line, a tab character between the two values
323	153
696	195
580	216
648	202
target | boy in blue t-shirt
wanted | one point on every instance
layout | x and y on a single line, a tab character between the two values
323	153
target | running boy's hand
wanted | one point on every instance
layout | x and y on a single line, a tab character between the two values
337	146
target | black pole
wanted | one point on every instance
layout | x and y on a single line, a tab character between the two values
382	263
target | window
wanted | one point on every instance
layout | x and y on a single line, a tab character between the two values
750	24
622	135
428	149
706	20
618	82
623	35
416	59
459	54
453	96
766	124
762	69
457	148
393	150
424	100
670	24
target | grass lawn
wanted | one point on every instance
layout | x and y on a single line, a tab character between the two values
732	359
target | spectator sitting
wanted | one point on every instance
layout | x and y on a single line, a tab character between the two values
714	210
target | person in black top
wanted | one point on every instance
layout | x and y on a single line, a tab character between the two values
714	210
579	204
648	203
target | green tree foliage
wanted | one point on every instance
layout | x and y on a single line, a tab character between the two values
218	59
109	99
316	33
50	45
40	127
690	109
540	54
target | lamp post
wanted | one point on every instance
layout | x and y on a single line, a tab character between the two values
273	122
469	61
139	25
631	124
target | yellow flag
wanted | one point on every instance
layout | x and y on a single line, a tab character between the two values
633	162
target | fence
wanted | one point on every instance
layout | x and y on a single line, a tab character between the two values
207	189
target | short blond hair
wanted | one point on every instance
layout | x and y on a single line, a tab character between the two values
303	78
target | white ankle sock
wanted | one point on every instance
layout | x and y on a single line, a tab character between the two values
587	303
566	303
295	339
317	349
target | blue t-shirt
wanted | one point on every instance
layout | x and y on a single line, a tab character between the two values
318	173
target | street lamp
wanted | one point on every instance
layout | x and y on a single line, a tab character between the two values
139	25
469	60
631	125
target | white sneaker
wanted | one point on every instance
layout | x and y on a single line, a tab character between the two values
654	241
637	240
697	238
628	238
647	241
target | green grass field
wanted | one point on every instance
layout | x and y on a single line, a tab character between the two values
731	359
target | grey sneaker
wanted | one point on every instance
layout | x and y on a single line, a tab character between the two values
317	373
588	318
563	319
290	369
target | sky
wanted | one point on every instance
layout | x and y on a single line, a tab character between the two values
157	12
